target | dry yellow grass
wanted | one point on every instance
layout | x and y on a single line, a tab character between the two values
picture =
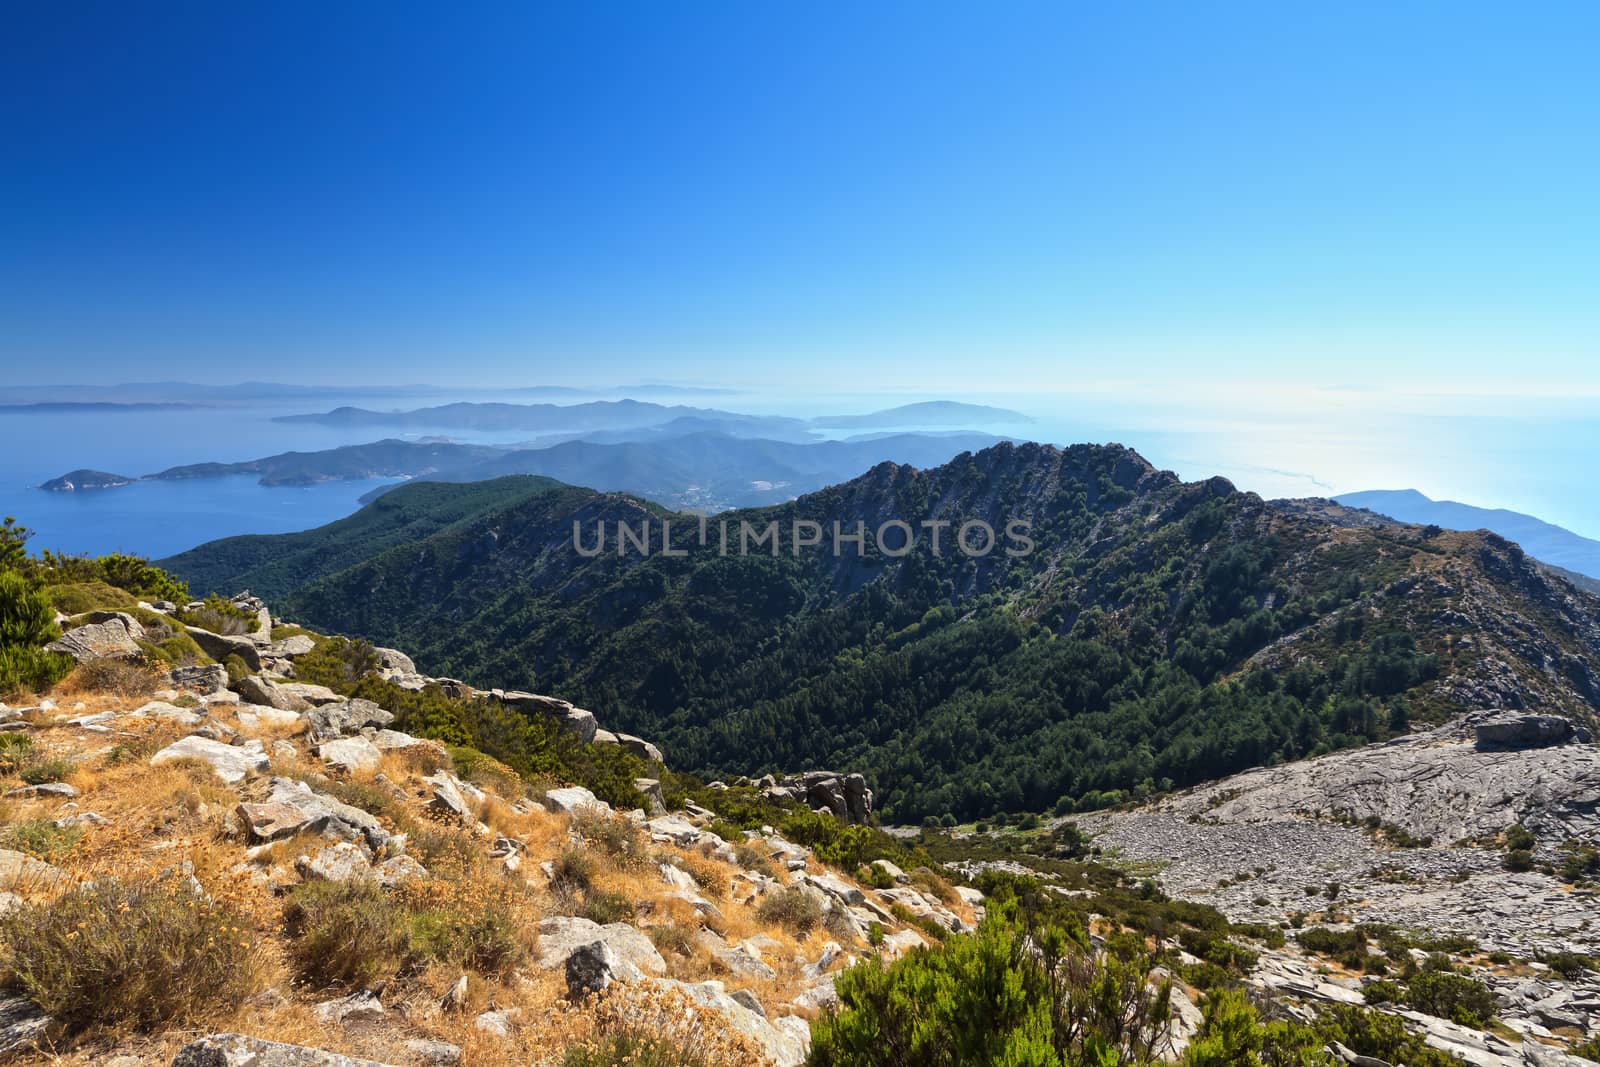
180	816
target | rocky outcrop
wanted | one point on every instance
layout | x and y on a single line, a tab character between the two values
580	722
108	634
844	796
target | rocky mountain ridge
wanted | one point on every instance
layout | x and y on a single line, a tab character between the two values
1146	600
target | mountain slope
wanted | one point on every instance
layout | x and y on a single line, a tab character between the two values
1545	541
1161	633
271	565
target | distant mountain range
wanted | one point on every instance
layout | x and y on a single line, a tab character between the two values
1544	541
612	415
705	470
550	418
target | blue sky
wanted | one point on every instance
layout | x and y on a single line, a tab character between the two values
978	197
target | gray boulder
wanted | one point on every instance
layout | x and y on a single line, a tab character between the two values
232	763
338	862
212	678
436	1053
448	798
290	647
562	935
220	646
784	1045
1523	731
639	747
569	799
650	789
294	807
350	754
258	690
20	871
115	637
362	1005
330	721
592	968
22	1025
237	1050
390	659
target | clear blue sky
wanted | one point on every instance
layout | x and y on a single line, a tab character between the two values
1014	194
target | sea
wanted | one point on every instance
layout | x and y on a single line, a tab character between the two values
1535	456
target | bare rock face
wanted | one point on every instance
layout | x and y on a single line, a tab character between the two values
1404	832
580	722
562	935
294	807
258	690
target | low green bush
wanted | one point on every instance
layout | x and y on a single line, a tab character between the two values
76	598
148	955
792	908
221	617
41	838
45	771
345	934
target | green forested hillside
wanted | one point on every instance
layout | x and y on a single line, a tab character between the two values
271	565
1161	633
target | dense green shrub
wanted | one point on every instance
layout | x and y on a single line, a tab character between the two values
347	934
220	617
41	838
238	670
133	574
792	908
145	955
43	771
26	617
75	598
30	670
487	940
1010	994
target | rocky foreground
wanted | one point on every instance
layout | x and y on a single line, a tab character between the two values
247	789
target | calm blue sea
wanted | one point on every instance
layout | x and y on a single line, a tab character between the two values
1536	461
